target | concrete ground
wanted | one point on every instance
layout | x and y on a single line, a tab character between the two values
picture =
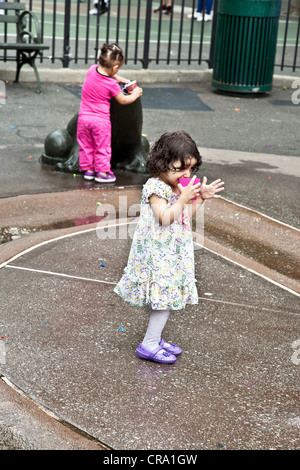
70	378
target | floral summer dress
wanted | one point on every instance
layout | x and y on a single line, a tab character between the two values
160	268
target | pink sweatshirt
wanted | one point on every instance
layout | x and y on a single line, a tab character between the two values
97	92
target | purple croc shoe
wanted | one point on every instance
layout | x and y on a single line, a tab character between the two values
171	348
89	175
157	355
108	178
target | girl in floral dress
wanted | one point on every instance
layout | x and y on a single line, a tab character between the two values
160	268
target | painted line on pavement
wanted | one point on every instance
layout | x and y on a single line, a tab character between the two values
261	214
5	264
60	274
251	270
236	304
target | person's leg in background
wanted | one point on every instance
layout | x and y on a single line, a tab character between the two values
167	9
208	7
198	14
101	5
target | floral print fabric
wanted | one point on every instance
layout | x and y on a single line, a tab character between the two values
160	268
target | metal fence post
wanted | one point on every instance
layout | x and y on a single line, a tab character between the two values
213	35
67	48
145	60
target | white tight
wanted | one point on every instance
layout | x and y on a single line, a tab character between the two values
157	321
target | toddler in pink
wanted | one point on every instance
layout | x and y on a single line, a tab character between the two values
94	126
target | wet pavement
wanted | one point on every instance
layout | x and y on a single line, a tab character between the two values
70	341
71	347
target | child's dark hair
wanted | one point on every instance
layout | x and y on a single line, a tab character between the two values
111	53
169	148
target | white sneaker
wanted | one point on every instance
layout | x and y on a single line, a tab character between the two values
94	11
194	16
206	17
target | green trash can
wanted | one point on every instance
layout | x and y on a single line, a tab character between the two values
245	45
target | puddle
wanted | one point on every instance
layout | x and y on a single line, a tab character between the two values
8	234
266	254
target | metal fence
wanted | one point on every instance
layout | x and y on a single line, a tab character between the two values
290	21
148	39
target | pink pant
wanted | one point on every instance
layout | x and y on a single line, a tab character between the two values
94	139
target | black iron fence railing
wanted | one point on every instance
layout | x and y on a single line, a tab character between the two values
149	39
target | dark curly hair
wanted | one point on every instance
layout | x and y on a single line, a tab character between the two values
111	53
169	148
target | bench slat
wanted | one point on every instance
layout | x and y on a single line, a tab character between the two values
12	6
15	46
8	18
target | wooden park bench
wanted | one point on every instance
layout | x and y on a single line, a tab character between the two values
28	44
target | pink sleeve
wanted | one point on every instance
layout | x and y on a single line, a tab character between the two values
115	89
